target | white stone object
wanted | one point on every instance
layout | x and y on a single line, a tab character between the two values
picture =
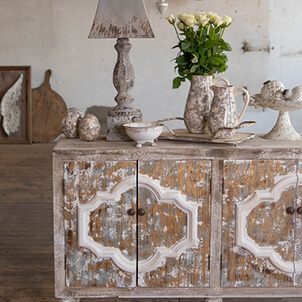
274	96
89	128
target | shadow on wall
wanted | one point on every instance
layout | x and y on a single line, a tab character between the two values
101	113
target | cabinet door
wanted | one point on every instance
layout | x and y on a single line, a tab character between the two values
100	236
298	235
174	223
257	230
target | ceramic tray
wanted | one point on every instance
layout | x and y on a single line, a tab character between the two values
184	135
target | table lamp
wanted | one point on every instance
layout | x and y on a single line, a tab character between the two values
121	19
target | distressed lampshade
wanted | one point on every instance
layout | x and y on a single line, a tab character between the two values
121	19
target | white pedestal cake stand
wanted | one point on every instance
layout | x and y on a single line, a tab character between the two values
283	129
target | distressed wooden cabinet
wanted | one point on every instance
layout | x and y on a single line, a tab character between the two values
177	220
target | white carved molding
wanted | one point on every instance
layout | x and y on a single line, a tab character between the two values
86	241
163	195
244	208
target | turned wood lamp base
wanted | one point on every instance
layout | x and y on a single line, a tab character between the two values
123	80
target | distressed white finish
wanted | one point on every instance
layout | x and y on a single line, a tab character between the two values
121	19
244	208
10	111
274	96
257	149
143	132
83	225
163	195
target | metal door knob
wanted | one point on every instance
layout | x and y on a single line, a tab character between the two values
299	210
131	212
141	212
290	210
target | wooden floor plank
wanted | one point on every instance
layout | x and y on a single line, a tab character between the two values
26	229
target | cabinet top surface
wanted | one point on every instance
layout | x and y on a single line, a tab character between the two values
256	148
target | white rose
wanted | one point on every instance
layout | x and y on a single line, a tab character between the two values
227	20
204	22
180	25
171	19
218	21
212	16
190	20
182	17
202	19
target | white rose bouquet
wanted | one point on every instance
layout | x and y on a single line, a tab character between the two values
202	48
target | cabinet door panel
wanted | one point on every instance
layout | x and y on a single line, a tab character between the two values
174	234
298	235
257	231
96	224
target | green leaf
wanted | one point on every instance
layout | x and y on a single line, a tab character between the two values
195	59
209	43
225	46
228	46
224	57
194	68
189	77
202	60
181	60
201	50
184	45
176	82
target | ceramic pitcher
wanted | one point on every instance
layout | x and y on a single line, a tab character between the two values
223	118
198	103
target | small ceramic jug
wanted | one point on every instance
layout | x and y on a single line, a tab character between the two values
198	103
223	118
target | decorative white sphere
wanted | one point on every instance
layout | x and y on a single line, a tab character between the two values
90	128
70	122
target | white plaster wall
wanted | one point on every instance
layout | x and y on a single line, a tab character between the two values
53	34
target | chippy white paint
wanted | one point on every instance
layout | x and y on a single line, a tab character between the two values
54	34
243	210
161	253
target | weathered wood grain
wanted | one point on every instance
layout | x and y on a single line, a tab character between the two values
298	232
164	225
82	180
48	109
268	224
254	149
26	237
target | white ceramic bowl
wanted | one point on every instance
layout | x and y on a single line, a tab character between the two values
144	132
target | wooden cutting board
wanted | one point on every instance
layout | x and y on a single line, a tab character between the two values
48	109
